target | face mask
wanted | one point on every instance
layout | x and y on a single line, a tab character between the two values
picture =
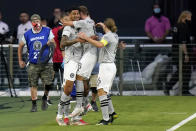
157	10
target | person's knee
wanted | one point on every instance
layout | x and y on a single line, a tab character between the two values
101	92
78	77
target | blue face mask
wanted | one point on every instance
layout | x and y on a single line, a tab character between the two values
157	10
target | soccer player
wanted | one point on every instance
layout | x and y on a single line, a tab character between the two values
107	69
73	52
35	39
88	60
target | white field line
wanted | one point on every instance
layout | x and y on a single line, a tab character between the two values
182	123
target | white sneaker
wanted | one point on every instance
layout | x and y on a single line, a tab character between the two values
76	111
60	121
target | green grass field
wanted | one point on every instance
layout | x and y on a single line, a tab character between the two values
136	113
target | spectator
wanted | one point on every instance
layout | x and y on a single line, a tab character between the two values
24	26
3	26
55	19
44	22
182	37
157	26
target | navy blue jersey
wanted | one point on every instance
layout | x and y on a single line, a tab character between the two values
35	41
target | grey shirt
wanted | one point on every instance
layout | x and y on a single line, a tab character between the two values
73	52
107	53
87	26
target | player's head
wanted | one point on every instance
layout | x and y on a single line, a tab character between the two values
110	24
64	17
83	11
185	16
24	17
36	21
74	14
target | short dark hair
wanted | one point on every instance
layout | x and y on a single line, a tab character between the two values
73	8
84	9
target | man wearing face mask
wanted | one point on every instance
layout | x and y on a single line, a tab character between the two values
35	39
157	26
182	37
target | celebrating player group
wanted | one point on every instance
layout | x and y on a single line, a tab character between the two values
82	48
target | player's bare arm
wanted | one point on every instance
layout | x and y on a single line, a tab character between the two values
52	42
66	42
98	44
21	62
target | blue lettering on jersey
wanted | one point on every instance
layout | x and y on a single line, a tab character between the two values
35	41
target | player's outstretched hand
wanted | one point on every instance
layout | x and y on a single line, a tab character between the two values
82	35
22	64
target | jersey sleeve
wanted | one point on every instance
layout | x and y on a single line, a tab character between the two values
79	24
66	31
23	39
51	35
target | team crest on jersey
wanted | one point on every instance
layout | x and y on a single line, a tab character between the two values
72	75
37	45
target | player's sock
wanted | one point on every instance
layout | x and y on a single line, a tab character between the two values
110	106
104	107
79	93
85	100
63	104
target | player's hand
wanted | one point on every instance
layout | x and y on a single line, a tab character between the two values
100	24
94	37
82	35
22	64
81	40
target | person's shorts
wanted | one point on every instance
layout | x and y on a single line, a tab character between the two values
93	80
36	71
86	65
70	69
107	72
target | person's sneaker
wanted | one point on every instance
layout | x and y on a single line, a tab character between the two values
34	108
44	103
94	106
66	121
77	111
60	121
113	116
79	122
103	122
49	102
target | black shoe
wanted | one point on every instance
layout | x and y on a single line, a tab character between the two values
166	92
94	105
113	116
49	102
34	108
103	122
44	103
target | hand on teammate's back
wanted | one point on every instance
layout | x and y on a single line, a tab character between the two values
22	64
81	40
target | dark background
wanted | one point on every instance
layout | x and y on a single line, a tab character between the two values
130	15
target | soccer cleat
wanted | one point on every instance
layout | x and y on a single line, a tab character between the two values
94	106
103	122
77	111
60	121
49	102
79	122
87	108
66	121
44	104
113	116
34	108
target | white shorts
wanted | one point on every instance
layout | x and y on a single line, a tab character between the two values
70	69
86	65
107	72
